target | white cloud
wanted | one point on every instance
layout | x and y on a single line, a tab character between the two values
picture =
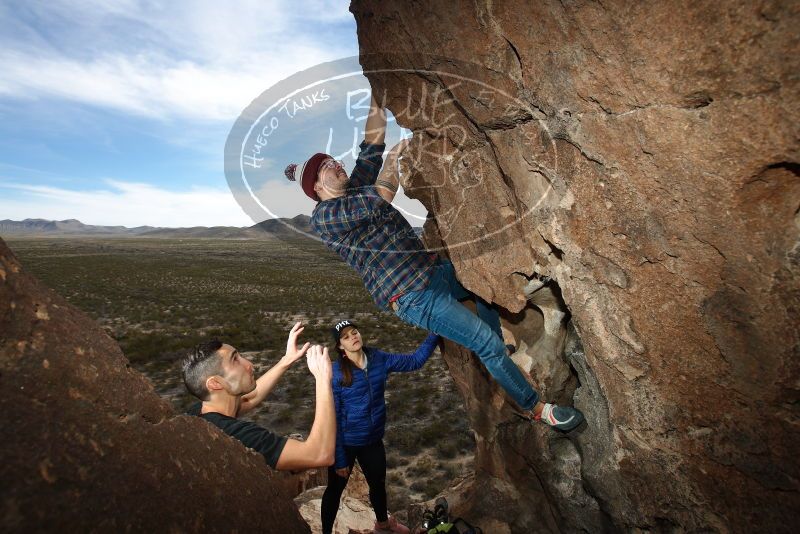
283	199
125	203
187	60
143	85
196	60
137	204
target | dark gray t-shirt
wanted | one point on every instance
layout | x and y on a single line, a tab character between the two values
250	434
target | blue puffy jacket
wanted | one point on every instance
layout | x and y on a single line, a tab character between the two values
360	408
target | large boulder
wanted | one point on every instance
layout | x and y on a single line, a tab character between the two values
90	447
623	178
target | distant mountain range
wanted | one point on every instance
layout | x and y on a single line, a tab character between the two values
73	227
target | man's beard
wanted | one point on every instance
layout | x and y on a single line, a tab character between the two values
338	187
346	185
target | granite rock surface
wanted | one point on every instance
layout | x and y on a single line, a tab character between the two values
623	180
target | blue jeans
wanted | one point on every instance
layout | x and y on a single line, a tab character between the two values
437	309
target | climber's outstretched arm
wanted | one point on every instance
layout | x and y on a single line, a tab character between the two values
375	130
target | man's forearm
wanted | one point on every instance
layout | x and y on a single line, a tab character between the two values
264	386
317	450
322	437
375	129
388	181
267	382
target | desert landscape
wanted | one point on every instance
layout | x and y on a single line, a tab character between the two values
158	297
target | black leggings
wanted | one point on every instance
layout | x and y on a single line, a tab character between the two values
372	459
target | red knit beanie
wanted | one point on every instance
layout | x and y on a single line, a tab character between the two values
308	174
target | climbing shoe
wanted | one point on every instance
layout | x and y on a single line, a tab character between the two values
564	418
511	349
393	527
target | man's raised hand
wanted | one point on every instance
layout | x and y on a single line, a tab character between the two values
391	165
319	363
266	382
388	181
292	352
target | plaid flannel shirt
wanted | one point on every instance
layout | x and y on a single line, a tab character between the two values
371	235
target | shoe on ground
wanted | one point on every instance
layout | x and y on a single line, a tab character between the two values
394	527
564	418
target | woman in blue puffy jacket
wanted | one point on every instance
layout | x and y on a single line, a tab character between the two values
359	380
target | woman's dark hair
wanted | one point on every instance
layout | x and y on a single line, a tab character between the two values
347	367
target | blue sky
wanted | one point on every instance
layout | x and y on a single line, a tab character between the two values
118	112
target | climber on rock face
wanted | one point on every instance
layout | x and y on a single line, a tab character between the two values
355	218
224	381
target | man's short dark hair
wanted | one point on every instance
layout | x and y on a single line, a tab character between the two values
199	365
